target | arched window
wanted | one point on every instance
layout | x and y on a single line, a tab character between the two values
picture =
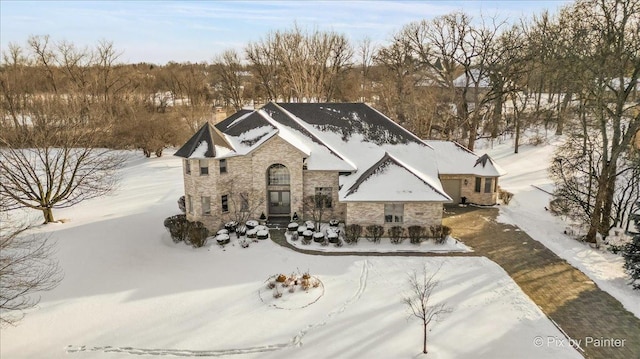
278	175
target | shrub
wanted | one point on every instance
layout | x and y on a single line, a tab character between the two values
197	234
396	234
631	254
352	233
505	196
439	233
416	234
177	226
374	232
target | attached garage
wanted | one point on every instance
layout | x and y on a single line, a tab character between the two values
452	188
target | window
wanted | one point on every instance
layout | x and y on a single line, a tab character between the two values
204	168
278	175
244	202
189	204
187	167
478	184
223	166
323	197
488	185
206	205
393	212
225	203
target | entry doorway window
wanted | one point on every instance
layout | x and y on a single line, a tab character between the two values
278	175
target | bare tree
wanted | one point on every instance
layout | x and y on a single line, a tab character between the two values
299	65
27	266
419	301
317	205
229	71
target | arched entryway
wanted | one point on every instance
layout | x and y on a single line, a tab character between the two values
278	192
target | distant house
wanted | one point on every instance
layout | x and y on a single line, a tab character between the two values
372	170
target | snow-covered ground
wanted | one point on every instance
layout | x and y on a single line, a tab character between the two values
527	211
128	289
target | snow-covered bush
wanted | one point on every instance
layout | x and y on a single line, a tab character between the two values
262	234
177	226
334	223
197	234
231	226
292	227
251	224
352	233
396	234
308	235
416	234
332	236
631	254
374	233
222	238
318	237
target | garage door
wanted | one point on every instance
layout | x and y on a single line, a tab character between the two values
452	188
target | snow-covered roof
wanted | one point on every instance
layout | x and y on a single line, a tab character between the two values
374	184
378	160
453	158
207	142
474	76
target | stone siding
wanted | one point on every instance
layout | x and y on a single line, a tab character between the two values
469	190
313	179
244	174
415	213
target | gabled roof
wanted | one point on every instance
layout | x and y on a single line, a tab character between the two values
455	159
390	180
205	143
350	138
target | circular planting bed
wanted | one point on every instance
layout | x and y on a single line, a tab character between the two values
294	291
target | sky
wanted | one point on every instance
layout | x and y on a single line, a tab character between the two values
196	31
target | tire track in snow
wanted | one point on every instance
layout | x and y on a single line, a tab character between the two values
296	341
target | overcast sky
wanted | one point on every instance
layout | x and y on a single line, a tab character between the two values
162	31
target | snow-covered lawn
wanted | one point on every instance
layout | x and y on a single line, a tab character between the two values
128	289
527	211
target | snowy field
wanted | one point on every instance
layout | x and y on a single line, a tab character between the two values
128	289
526	210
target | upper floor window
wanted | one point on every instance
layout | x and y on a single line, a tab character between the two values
393	212
278	175
204	168
223	166
187	167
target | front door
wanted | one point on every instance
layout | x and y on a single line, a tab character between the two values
279	203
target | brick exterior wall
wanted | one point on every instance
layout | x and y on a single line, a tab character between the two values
469	190
415	213
248	174
244	174
313	179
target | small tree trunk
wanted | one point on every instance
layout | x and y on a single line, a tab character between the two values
48	215
424	345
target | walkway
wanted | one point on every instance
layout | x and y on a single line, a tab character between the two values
565	294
